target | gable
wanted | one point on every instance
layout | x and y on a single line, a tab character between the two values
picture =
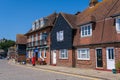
61	25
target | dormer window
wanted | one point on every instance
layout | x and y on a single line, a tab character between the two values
42	23
86	30
118	24
33	26
37	24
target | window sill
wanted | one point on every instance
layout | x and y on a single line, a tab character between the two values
85	36
83	59
63	58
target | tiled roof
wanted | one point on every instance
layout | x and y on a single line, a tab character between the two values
71	19
21	39
51	19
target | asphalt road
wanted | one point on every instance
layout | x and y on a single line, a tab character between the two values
13	72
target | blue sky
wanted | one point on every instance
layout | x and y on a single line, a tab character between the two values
16	16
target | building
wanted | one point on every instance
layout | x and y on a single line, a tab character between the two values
21	41
38	39
11	54
89	39
62	36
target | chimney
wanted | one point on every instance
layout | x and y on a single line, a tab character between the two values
93	3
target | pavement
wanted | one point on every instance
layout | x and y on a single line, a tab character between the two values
103	75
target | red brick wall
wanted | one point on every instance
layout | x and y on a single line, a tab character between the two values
87	63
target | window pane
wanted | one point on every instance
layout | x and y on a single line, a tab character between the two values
58	36
61	35
82	31
112	54
119	24
88	30
83	55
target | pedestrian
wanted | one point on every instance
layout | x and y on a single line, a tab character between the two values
33	61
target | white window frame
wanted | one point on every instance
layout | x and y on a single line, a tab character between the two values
41	36
45	53
60	36
79	54
85	32
40	52
33	26
37	24
36	37
113	52
65	54
118	24
42	23
32	38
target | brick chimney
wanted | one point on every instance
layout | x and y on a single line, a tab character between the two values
93	3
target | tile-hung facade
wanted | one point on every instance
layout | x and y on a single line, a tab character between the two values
90	39
38	39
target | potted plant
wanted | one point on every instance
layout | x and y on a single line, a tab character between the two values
118	66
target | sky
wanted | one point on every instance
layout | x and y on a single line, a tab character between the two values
17	16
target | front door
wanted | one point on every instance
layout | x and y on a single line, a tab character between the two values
110	58
99	57
54	57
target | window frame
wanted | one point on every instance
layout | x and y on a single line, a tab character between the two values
65	54
60	36
84	30
110	57
79	54
45	54
117	24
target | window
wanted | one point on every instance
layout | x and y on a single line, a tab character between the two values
118	24
42	23
45	54
32	38
110	52
37	24
83	54
36	37
33	26
63	54
86	30
39	54
40	36
60	36
44	36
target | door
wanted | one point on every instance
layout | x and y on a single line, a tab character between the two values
110	58
99	57
54	57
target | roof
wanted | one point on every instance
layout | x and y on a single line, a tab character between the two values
51	19
71	19
100	11
21	39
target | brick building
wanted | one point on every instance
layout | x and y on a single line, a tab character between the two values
38	39
89	39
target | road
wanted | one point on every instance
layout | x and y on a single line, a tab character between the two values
13	72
